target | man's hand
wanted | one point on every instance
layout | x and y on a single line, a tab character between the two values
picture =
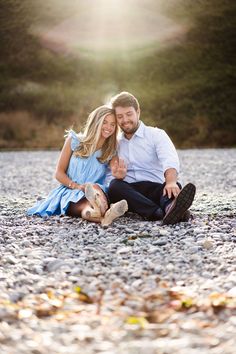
118	168
171	188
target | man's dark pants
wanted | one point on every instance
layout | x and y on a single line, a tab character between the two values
144	198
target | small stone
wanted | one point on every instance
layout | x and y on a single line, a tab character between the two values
130	242
163	232
170	267
14	297
7	314
207	275
125	309
232	292
188	240
55	265
161	242
197	231
138	273
129	231
155	229
137	283
207	244
76	271
11	260
194	249
124	250
37	269
158	269
26	243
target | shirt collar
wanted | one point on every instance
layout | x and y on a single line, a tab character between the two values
139	132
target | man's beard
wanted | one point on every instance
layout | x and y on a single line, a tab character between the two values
130	130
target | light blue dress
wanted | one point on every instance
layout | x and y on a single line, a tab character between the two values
80	170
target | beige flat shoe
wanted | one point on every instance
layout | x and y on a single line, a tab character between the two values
89	213
97	198
116	210
93	197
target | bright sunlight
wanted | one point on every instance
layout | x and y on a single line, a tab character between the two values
110	25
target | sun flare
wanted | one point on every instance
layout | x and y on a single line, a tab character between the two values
110	25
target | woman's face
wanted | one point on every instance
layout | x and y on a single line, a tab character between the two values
108	126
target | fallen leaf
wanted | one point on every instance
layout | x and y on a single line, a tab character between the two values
141	321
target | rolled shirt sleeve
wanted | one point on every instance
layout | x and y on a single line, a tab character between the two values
165	150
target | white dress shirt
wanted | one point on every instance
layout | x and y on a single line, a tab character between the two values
148	154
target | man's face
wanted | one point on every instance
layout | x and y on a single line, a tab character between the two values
128	119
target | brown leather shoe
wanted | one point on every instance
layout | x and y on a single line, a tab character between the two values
180	205
186	216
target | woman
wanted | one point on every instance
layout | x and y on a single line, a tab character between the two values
81	171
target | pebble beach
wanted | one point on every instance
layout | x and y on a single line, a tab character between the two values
69	286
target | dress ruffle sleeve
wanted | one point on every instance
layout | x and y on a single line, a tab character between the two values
74	139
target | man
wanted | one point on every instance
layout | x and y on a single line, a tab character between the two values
146	169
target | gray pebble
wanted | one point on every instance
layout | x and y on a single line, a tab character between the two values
119	267
160	242
11	260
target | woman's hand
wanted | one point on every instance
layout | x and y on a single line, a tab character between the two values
81	186
74	185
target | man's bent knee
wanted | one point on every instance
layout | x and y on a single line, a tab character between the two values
115	190
116	183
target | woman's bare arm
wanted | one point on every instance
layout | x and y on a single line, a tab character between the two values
62	165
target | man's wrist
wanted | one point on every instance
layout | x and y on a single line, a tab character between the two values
171	182
171	175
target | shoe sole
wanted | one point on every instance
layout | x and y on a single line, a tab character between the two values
183	203
92	196
118	209
186	216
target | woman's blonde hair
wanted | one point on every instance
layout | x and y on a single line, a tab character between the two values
91	134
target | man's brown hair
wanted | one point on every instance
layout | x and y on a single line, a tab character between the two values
124	99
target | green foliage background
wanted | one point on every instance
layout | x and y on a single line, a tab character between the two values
188	89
